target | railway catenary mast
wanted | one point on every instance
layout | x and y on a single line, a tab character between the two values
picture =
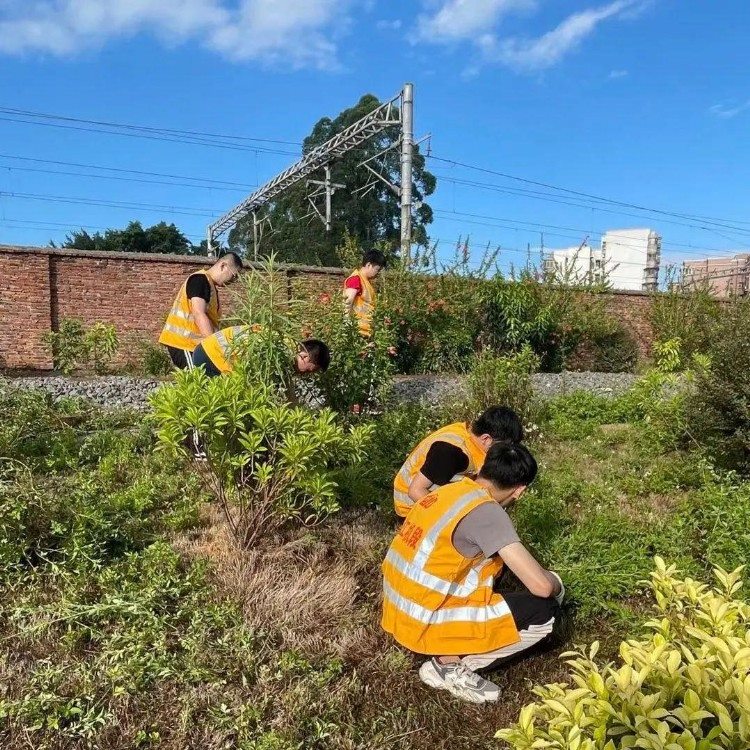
398	111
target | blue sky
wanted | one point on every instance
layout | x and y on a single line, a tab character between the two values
646	102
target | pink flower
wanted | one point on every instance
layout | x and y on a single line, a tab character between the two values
392	351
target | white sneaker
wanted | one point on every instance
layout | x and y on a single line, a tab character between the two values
458	680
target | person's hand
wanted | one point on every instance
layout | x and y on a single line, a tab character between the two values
559	598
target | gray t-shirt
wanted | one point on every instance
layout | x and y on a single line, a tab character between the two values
484	531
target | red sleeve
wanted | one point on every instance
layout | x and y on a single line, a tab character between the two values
353	282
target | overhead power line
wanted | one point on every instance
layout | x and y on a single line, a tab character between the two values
125	171
158	208
122	179
591	196
146	128
470	218
558	199
195	141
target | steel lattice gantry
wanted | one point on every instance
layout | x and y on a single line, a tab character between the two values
397	111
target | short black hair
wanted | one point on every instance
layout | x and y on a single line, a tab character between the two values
509	465
500	423
319	352
234	256
375	257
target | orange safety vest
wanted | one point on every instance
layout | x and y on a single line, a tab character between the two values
180	330
218	347
457	434
364	304
435	600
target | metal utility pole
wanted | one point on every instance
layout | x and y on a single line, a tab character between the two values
398	111
407	146
329	188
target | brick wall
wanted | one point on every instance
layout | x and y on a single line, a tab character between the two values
41	286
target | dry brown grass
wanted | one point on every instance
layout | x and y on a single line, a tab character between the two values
318	593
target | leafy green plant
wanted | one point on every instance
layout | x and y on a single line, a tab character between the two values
100	345
74	346
686	317
681	686
719	408
154	359
554	314
503	380
268	463
67	345
361	371
434	309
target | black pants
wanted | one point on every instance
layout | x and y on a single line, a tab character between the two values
181	359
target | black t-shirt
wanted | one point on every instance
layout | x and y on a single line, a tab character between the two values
443	462
198	286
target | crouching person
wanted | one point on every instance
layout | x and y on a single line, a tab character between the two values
216	353
438	576
452	452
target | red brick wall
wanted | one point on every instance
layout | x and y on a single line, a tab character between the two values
41	286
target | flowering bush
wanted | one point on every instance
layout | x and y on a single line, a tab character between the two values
361	370
435	320
684	685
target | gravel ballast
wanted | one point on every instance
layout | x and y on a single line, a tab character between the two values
115	391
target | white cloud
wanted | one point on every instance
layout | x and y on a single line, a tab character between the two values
462	19
727	111
389	25
476	21
613	74
293	32
547	50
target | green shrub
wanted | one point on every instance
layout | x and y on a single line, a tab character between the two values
552	315
681	686
719	408
503	380
268	463
395	433
74	346
360	375
435	319
155	360
100	344
688	318
67	345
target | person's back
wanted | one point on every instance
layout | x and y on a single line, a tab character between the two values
450	453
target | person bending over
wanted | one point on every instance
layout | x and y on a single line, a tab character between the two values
452	452
196	311
217	356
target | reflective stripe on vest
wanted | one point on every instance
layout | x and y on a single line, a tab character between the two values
180	329
435	601
364	304
457	434
218	348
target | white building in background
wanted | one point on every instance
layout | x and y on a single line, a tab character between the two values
631	258
627	259
571	264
